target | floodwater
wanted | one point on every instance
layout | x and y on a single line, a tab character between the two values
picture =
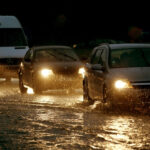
58	120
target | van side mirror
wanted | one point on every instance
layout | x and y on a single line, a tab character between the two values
87	65
98	67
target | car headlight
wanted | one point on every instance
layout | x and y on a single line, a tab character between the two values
46	72
121	84
82	71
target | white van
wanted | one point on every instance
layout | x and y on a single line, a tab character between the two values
13	46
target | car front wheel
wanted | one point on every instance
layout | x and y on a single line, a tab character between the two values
106	94
36	85
23	90
85	92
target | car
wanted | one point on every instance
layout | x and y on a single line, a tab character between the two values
50	67
13	46
118	73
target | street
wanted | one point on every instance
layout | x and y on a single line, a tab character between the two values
61	120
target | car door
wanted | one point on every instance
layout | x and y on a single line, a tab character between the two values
92	74
27	66
99	75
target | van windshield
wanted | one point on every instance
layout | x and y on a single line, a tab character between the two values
131	57
12	37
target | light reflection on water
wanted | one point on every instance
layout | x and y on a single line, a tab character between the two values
45	99
58	99
67	127
125	133
112	133
118	127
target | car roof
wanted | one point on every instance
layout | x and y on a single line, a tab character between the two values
129	45
51	46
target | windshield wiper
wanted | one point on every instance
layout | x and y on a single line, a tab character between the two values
67	56
54	55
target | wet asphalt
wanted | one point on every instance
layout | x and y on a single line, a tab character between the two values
59	119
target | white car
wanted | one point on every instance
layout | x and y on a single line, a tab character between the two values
118	72
13	46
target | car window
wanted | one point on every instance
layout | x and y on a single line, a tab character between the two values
93	56
131	57
43	55
55	54
100	57
96	59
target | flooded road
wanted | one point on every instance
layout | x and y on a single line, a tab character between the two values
61	120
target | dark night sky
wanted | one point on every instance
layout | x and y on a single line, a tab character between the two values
77	21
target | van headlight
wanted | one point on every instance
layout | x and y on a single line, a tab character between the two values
46	72
122	84
82	72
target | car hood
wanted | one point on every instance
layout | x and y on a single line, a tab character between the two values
132	74
60	67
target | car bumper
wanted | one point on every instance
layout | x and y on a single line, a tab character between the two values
8	71
131	95
59	81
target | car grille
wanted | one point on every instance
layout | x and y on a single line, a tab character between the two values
10	61
141	86
66	71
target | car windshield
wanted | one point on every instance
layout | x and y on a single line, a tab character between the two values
55	55
131	57
12	37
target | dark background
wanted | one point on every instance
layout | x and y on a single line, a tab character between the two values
71	22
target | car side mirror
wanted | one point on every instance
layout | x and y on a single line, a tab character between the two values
87	65
98	67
